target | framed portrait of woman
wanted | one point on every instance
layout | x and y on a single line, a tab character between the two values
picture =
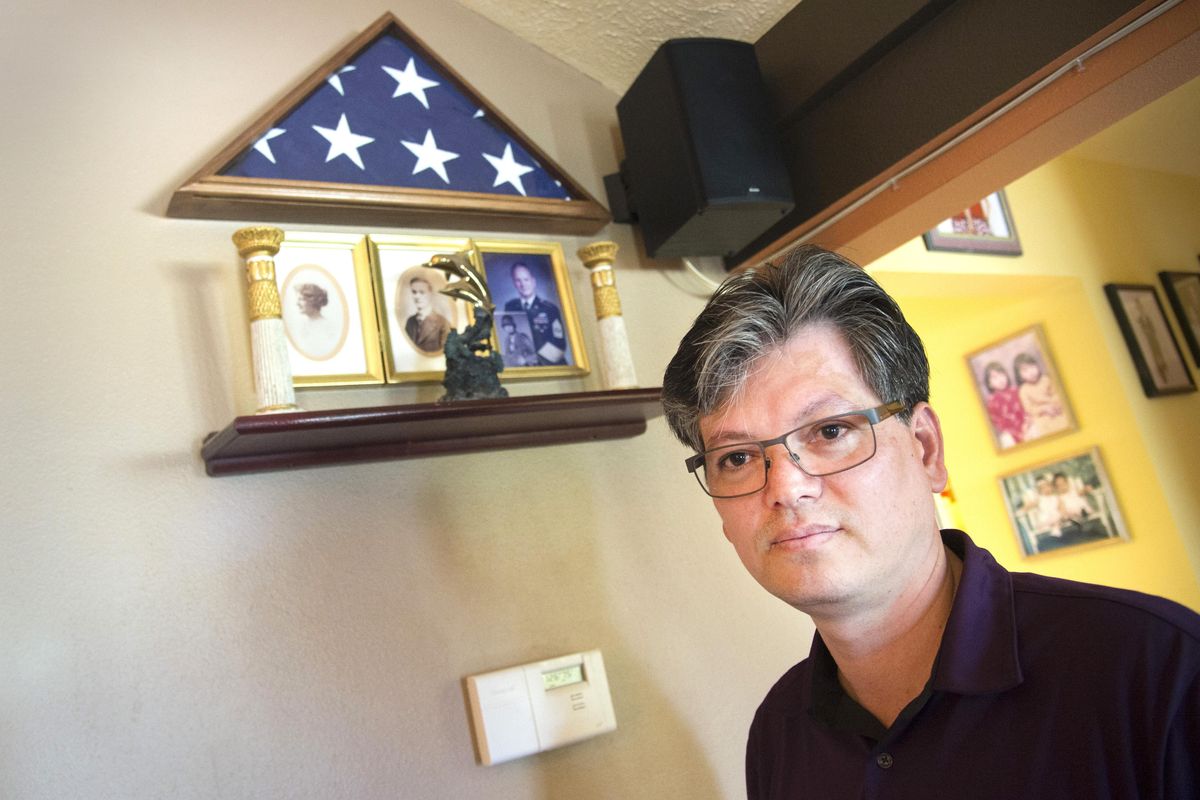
1019	387
328	309
414	316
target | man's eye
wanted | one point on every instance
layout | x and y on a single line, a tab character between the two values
734	459
831	430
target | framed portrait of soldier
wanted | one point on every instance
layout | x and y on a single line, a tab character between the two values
536	323
414	316
328	309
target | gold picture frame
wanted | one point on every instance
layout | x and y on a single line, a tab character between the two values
1061	504
409	334
536	324
328	309
1021	390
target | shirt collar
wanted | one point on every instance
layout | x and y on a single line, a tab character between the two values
978	654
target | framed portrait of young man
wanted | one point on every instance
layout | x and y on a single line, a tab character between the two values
414	316
537	326
328	309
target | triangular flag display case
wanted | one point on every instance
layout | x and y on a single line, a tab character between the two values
386	133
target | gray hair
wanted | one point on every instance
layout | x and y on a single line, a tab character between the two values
757	311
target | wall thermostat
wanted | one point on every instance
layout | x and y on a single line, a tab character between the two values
540	706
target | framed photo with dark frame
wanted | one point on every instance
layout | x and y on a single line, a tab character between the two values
1063	504
328	309
537	326
1183	293
1020	390
1156	355
984	227
414	316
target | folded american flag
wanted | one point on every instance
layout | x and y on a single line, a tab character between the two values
389	118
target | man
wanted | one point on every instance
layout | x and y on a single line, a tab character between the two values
545	320
934	673
425	327
515	345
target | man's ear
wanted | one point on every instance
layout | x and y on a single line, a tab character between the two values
927	434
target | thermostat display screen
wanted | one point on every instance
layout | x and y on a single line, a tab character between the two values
562	677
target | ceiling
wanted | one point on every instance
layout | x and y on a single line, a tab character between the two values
1161	136
611	40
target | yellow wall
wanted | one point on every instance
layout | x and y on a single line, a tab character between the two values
1081	223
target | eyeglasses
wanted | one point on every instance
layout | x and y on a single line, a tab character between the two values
824	447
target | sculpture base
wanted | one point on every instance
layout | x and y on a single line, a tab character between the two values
472	367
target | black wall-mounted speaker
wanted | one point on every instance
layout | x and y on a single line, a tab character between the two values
703	170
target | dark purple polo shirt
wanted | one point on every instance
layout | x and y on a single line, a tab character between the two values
1042	688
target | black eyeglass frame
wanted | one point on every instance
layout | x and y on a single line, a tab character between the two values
874	415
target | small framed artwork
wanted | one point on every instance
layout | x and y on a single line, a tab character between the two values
1156	355
985	227
328	309
537	326
1063	504
414	316
1183	293
1019	387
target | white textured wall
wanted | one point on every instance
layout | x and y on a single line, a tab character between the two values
304	634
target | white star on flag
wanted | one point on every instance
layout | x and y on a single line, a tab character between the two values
429	156
335	80
343	143
508	170
409	82
263	145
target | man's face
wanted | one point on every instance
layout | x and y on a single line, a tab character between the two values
843	542
420	295
524	281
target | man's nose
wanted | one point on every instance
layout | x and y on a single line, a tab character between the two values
786	481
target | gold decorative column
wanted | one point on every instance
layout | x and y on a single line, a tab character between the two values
268	342
616	360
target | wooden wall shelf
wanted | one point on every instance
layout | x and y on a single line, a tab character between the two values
318	438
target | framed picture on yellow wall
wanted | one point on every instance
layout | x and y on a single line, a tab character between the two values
1018	384
1063	504
1183	292
982	227
1156	355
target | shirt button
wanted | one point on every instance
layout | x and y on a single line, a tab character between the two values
884	760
